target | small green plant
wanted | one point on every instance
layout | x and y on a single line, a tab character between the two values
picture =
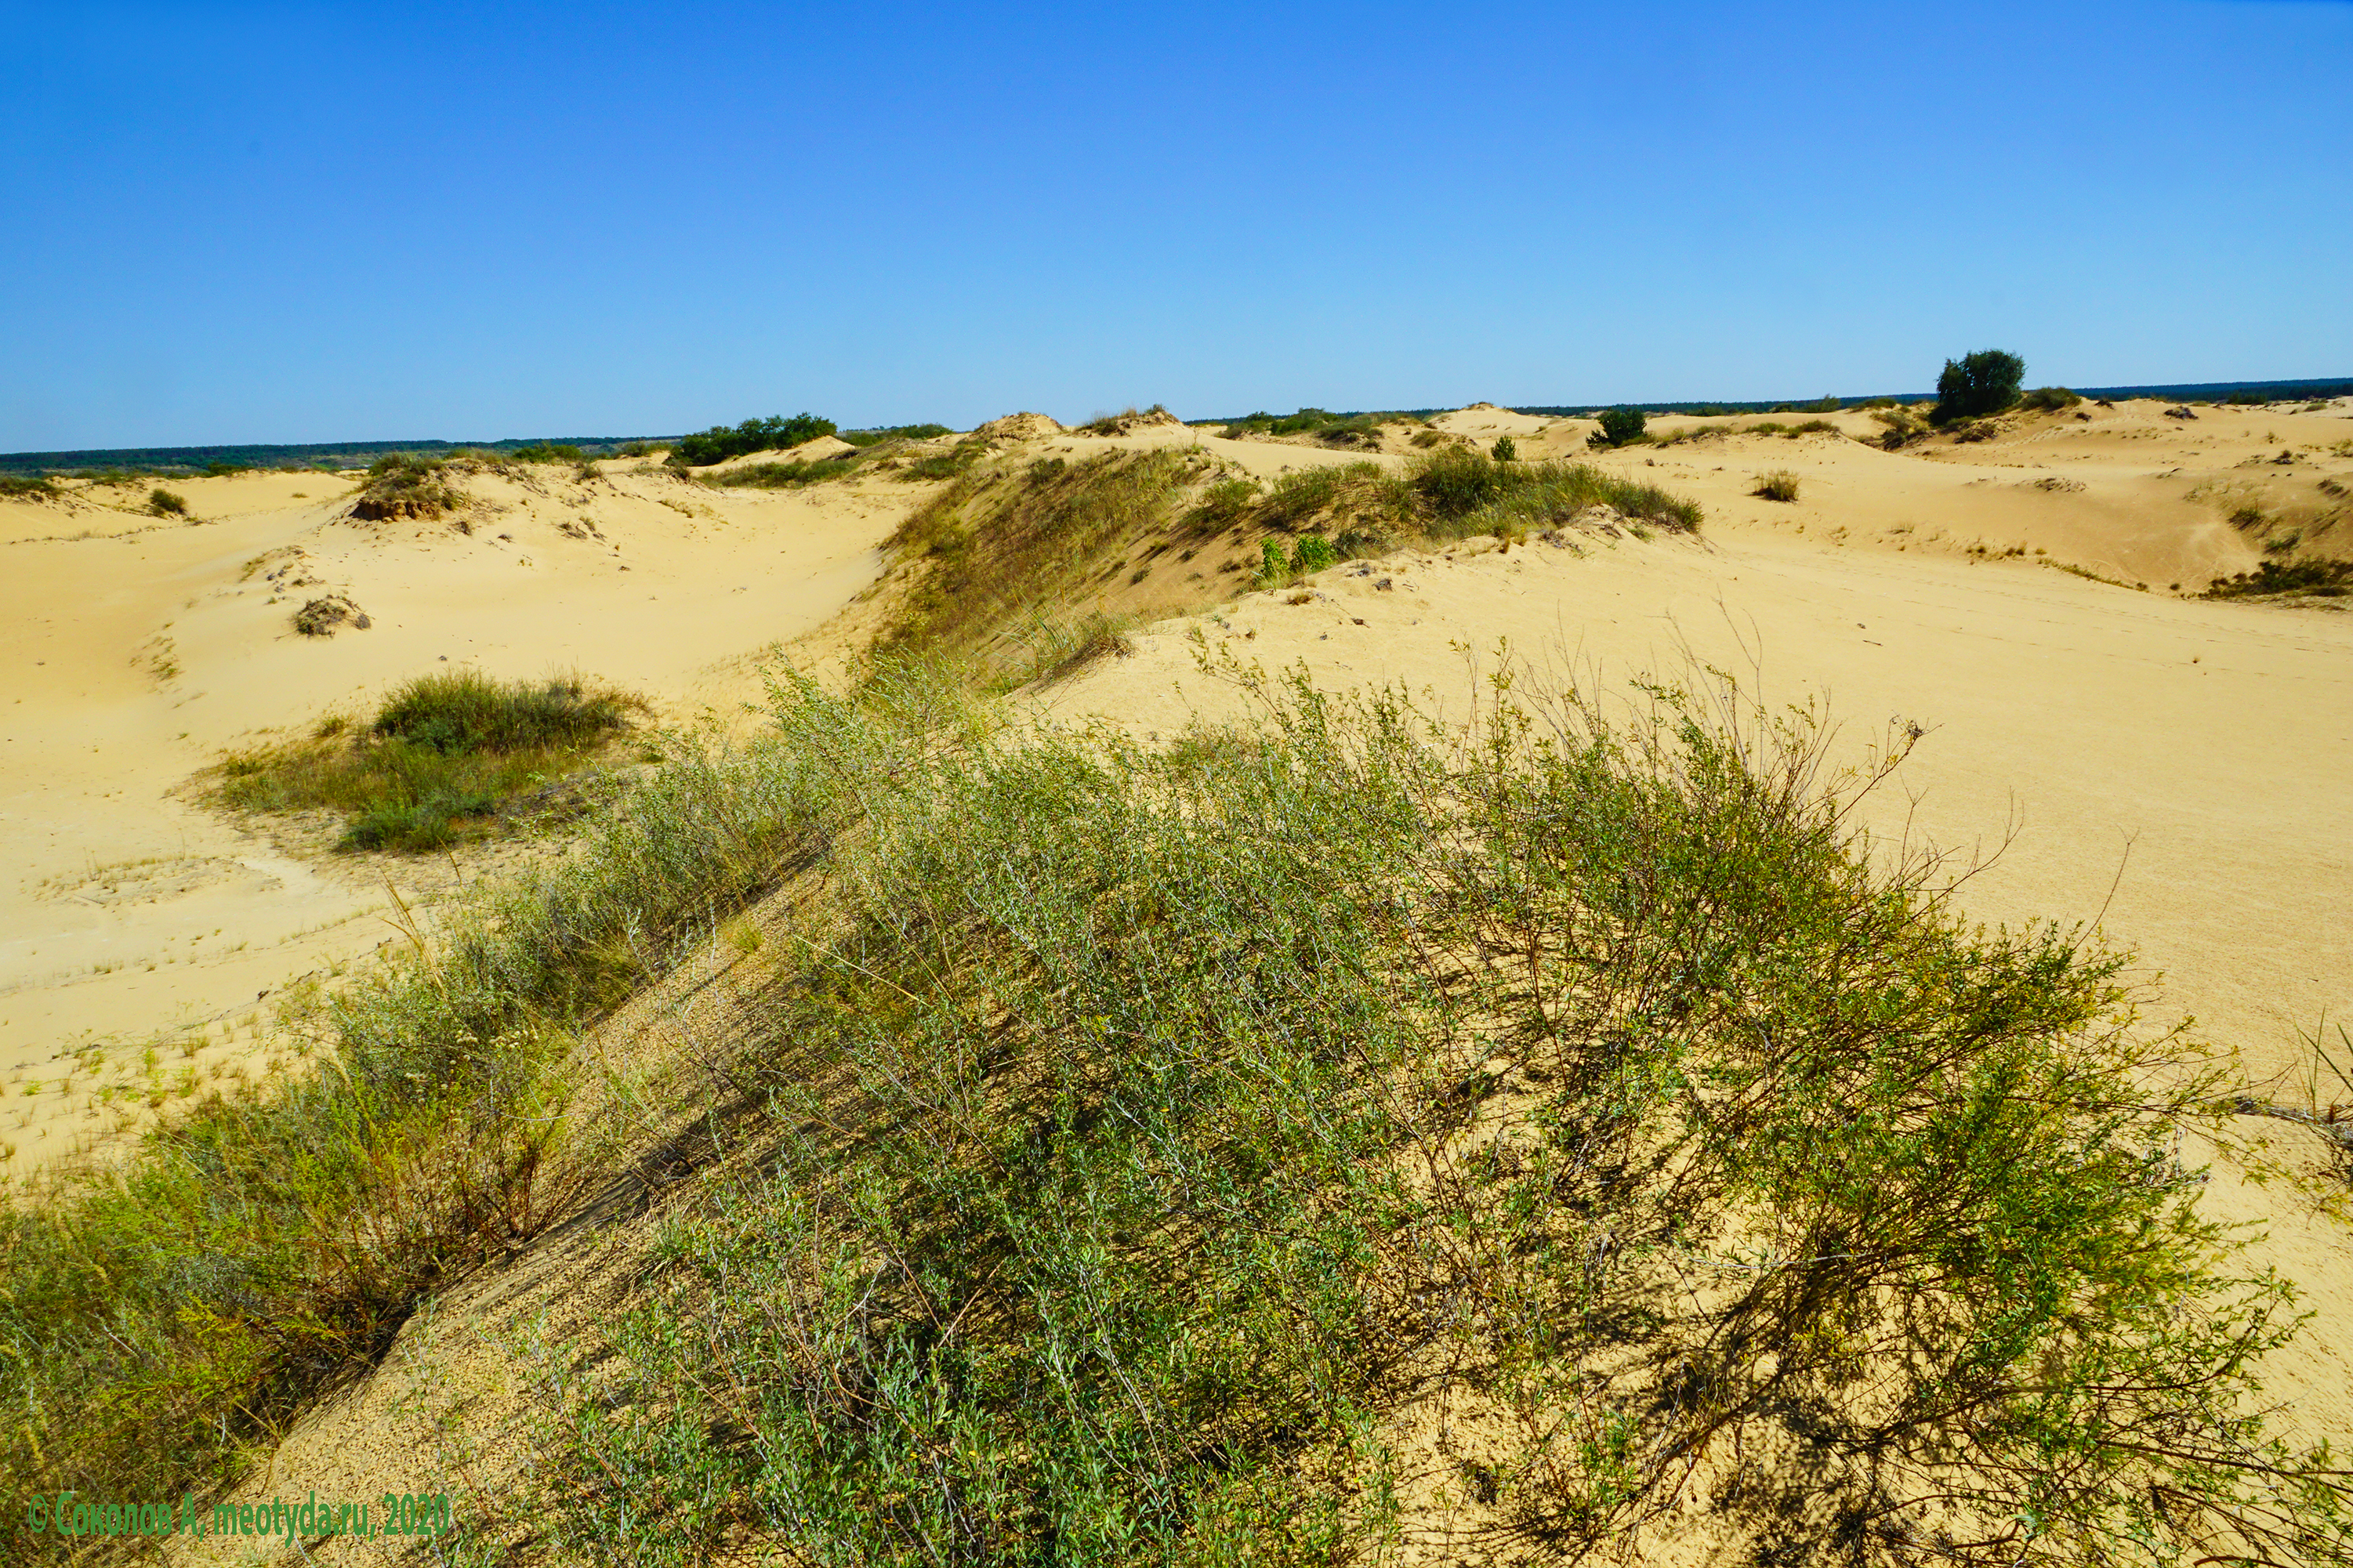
1978	384
1620	427
164	503
1507	449
1274	565
1312	553
1779	485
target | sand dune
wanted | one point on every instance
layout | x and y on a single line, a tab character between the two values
138	648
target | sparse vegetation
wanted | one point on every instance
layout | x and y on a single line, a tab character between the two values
28	487
893	433
1001	540
787	476
2048	399
1331	429
441	758
1151	1148
1980	384
2323	577
547	452
1780	485
402	485
1620	428
162	502
722	442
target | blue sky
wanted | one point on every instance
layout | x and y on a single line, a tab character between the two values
298	223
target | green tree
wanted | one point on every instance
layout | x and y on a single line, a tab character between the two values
1620	427
1985	382
1507	449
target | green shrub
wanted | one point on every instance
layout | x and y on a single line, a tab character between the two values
1152	1151
28	487
546	452
164	503
893	433
1507	449
1274	565
1312	553
2321	576
1984	383
402	484
722	442
1620	427
2049	399
1779	485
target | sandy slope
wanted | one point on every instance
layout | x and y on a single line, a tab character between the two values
137	649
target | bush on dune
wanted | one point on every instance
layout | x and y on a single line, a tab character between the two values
1176	1097
722	442
1978	384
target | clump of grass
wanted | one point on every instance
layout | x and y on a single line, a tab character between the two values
957	459
404	485
546	452
787	476
28	487
442	756
1173	1104
164	503
2321	576
1465	492
1331	429
2049	399
1779	485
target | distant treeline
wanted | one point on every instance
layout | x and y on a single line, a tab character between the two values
336	453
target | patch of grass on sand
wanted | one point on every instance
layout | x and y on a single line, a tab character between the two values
1779	485
1331	429
441	759
786	475
164	503
28	487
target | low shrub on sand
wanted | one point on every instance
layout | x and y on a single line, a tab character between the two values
404	485
164	503
28	486
1779	485
441	757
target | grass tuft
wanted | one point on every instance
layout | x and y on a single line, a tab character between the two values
401	485
1779	485
442	759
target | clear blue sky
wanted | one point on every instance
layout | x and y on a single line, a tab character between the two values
297	223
